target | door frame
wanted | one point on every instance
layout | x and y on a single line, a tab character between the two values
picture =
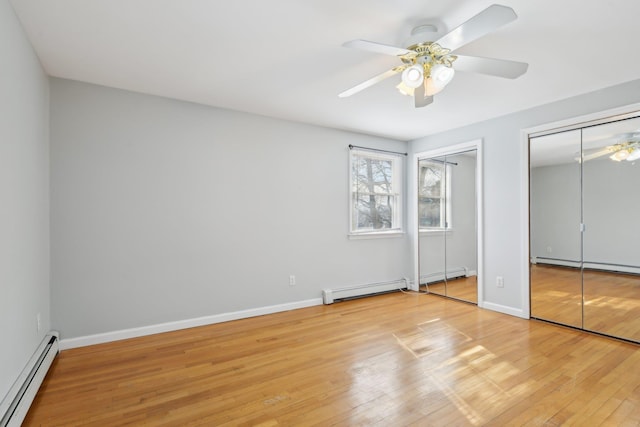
540	130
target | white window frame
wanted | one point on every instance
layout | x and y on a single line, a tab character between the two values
397	177
446	194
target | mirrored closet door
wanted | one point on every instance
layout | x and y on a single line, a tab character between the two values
585	229
447	220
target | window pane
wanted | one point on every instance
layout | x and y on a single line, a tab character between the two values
373	212
434	192
431	180
430	212
372	175
375	192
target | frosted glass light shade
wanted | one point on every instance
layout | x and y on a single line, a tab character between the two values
634	155
413	76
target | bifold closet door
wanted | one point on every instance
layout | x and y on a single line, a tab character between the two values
611	211
432	219
461	246
555	236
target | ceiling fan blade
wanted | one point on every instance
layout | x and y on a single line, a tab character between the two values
420	98
368	83
594	155
376	47
490	66
490	19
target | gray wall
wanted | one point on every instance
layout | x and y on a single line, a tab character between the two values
611	208
163	210
504	219
556	212
24	199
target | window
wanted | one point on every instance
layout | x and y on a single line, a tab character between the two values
376	188
434	195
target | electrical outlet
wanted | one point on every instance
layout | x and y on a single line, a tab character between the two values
38	322
292	280
500	282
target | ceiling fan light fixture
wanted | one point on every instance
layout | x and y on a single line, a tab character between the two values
413	76
431	88
620	155
404	89
634	155
442	75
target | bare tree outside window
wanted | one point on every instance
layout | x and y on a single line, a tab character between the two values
374	192
433	192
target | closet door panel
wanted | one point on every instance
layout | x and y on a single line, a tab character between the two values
461	246
555	237
611	214
432	221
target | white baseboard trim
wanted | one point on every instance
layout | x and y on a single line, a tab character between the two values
504	309
68	343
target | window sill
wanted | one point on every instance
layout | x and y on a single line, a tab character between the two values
376	235
436	232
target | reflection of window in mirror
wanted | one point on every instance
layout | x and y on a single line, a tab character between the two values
434	195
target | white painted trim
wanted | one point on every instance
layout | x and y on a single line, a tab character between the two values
122	334
376	235
480	219
524	220
513	311
618	113
475	144
412	219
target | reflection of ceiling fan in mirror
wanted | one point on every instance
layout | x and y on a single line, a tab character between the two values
628	148
427	63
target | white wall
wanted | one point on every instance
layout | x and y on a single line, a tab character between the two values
164	210
505	221
611	208
24	199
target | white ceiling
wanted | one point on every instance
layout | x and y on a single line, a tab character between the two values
564	147
284	59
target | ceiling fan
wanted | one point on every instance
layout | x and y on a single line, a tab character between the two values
428	64
628	148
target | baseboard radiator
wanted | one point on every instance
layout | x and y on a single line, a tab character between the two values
439	276
329	296
587	265
15	405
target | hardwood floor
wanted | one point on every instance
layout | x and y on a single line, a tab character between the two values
611	300
612	303
556	294
392	360
462	288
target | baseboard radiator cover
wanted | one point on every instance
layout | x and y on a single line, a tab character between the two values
439	276
15	405
329	296
587	265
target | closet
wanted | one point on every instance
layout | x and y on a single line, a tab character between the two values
447	224
584	225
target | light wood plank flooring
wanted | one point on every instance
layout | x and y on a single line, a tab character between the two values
611	300
462	288
392	360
